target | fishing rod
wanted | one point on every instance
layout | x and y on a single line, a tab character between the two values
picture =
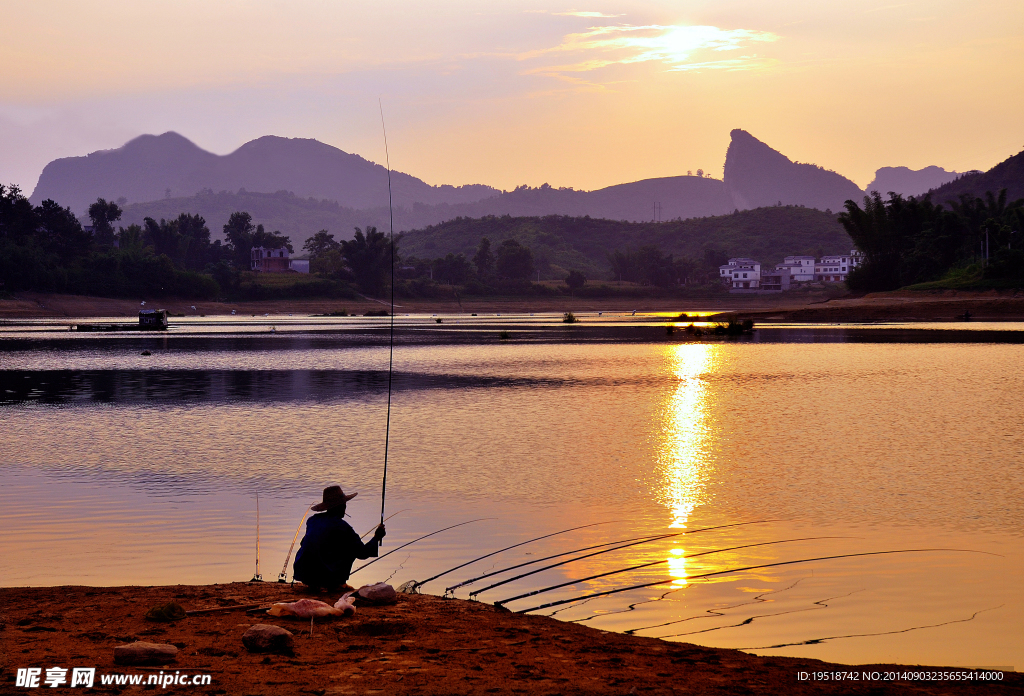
283	575
731	570
541	560
507	548
257	577
419	539
598	553
391	353
652	563
571	560
588	548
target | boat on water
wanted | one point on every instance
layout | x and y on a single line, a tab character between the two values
149	320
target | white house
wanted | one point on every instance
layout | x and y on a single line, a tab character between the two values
269	260
801	268
741	273
276	261
836	267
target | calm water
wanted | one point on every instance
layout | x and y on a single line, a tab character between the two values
118	468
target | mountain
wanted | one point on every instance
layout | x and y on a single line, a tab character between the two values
152	167
909	182
1008	174
756	175
583	243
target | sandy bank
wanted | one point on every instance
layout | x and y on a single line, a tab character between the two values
422	645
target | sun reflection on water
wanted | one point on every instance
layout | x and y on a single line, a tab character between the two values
683	453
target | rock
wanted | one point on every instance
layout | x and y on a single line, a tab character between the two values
268	638
379	593
172	611
144	654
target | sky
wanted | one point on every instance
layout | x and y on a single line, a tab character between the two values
581	94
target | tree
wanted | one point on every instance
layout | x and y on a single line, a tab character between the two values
700	173
238	231
575	280
60	232
242	237
17	218
514	261
319	244
102	215
369	257
484	259
452	269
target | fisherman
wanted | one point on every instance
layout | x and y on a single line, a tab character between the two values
330	546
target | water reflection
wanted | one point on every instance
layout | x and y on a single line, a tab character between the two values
683	455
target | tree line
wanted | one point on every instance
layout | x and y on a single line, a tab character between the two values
507	267
913	240
46	248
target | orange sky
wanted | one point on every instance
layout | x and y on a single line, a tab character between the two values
525	92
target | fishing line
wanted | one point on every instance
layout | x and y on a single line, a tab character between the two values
391	353
731	570
507	548
607	551
419	539
370	531
638	567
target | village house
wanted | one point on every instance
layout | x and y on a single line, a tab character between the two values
264	260
836	267
801	268
741	273
776	280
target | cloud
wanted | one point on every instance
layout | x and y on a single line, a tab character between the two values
681	48
576	13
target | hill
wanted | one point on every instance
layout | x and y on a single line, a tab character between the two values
756	175
909	182
153	167
1008	174
300	218
584	243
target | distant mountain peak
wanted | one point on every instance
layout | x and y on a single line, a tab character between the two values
757	175
909	182
154	167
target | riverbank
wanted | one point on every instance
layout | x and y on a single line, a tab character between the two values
938	305
422	645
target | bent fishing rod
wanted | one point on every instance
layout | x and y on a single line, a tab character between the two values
722	572
507	548
635	541
642	565
391	352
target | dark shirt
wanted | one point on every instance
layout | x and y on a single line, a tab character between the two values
328	550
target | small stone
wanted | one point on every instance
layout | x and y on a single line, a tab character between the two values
141	653
267	638
379	593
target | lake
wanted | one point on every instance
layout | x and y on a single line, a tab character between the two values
796	443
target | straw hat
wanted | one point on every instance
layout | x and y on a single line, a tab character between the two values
333	497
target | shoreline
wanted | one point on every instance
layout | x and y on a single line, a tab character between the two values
422	645
906	306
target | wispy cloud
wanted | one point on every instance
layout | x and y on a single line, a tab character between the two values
681	48
579	13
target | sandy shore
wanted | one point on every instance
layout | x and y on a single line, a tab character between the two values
803	307
422	645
